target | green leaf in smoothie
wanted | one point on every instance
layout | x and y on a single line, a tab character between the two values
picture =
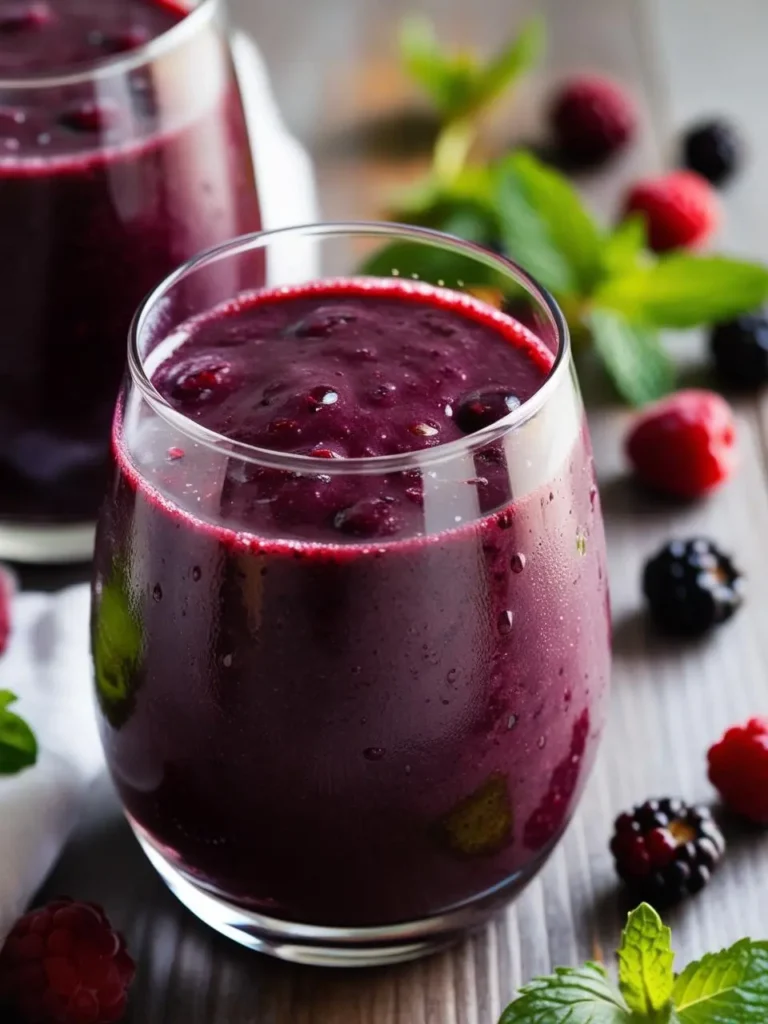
481	823
117	645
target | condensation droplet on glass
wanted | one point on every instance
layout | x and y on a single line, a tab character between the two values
407	769
451	677
157	592
363	721
226	661
374	753
542	742
518	562
196	573
512	721
592	496
504	622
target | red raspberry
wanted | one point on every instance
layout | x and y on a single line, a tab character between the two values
738	769
592	118
684	445
681	209
63	964
7	590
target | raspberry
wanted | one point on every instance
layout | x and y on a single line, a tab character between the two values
684	445
691	586
681	209
665	850
592	118
7	590
738	769
63	964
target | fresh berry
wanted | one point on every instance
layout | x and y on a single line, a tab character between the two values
63	964
592	118
738	769
665	850
740	350
684	445
7	590
681	209
714	150
691	586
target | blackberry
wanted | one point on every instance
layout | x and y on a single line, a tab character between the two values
740	350
713	149
691	586
666	850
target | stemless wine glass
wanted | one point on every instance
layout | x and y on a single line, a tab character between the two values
346	747
112	172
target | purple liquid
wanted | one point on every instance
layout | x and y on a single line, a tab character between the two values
105	186
374	722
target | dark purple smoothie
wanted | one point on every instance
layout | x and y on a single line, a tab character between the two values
106	185
327	696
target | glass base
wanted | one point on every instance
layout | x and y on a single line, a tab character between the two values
333	947
46	543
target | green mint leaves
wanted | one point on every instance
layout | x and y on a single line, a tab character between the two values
117	646
580	995
730	987
18	746
616	294
645	963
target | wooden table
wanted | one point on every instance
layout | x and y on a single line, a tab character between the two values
683	57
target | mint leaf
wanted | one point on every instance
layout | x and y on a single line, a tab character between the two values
633	357
526	238
117	645
571	229
685	291
18	746
645	962
581	995
625	247
730	987
448	79
517	57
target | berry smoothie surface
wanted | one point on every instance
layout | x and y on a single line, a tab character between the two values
110	176
348	698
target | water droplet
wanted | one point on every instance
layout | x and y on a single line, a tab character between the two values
407	769
374	753
504	622
512	721
568	696
196	574
518	562
226	661
44	139
451	677
174	454
542	742
592	496
157	592
363	721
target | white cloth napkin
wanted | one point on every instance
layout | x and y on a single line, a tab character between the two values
47	664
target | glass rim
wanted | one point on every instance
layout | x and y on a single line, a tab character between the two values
398	462
105	67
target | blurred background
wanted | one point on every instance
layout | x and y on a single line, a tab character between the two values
335	70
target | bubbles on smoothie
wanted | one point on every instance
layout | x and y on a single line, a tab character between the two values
504	622
451	677
157	593
321	323
541	742
369	517
226	661
517	562
512	720
321	397
374	753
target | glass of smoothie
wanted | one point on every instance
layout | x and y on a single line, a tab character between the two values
350	622
123	152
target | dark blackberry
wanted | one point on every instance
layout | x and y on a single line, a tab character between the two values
713	149
665	850
691	586
740	350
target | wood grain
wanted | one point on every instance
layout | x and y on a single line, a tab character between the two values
670	702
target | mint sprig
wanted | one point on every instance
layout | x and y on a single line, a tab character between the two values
729	987
18	746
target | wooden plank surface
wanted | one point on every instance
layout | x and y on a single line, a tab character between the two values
669	701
